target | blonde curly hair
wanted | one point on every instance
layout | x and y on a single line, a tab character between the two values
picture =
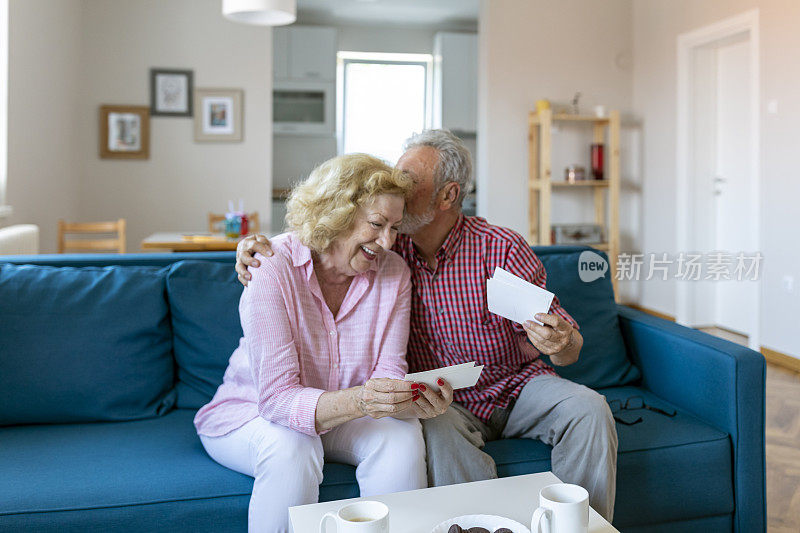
324	205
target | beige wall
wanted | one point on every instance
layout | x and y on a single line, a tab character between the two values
92	52
44	158
623	54
657	24
182	180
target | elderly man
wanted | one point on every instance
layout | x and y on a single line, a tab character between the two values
518	396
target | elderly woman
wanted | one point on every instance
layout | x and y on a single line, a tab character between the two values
318	373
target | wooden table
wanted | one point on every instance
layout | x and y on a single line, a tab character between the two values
189	242
419	511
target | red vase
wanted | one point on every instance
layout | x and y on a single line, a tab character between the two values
598	161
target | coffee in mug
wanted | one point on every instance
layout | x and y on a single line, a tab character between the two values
359	517
563	508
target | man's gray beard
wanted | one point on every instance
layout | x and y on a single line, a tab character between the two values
413	223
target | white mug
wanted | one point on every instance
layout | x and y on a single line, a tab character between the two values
600	111
563	508
359	517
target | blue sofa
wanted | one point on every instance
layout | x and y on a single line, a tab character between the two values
105	359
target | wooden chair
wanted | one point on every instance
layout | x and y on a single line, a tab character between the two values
216	222
66	244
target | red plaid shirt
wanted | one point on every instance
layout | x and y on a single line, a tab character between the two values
450	321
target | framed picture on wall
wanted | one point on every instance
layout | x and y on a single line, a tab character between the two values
171	92
219	115
124	132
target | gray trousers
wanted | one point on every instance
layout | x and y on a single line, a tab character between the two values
575	420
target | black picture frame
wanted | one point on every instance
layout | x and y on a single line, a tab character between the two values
184	93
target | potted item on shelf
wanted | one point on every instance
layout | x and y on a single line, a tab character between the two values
574	173
576	234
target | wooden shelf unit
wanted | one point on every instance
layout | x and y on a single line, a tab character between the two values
540	179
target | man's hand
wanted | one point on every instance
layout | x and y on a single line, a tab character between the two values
380	397
431	404
245	250
556	338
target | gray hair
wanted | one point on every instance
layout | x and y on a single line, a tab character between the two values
455	163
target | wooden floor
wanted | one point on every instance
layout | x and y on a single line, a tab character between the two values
783	450
783	444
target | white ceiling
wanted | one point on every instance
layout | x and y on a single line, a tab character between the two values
389	12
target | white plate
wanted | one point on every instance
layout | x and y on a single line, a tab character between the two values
488	521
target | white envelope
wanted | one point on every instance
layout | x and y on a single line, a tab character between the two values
514	298
458	376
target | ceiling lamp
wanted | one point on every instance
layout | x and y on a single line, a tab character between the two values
260	12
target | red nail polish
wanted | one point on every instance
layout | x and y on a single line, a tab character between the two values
414	386
422	388
440	381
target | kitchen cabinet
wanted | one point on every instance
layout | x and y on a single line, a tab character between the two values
455	81
280	53
304	68
304	53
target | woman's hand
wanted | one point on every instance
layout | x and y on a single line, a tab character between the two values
380	397
245	250
432	404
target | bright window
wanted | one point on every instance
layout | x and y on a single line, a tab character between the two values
383	99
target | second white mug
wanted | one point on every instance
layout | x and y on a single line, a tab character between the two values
359	517
563	508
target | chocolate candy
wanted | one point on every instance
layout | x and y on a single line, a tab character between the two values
455	528
503	530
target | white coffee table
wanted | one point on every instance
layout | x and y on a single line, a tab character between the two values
419	511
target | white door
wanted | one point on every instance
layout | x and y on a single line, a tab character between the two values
735	300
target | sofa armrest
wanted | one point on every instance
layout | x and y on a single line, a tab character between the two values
721	383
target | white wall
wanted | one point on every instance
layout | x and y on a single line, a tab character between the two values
3	105
657	24
182	180
67	58
541	49
44	79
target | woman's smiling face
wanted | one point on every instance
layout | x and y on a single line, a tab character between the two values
374	232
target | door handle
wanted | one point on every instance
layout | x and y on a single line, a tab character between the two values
718	181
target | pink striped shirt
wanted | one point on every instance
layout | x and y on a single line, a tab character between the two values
294	349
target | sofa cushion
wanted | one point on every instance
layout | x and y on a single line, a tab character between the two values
603	360
204	303
668	469
148	475
83	344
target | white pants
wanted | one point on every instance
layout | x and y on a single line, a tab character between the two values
389	455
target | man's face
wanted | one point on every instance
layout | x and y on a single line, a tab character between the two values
420	164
